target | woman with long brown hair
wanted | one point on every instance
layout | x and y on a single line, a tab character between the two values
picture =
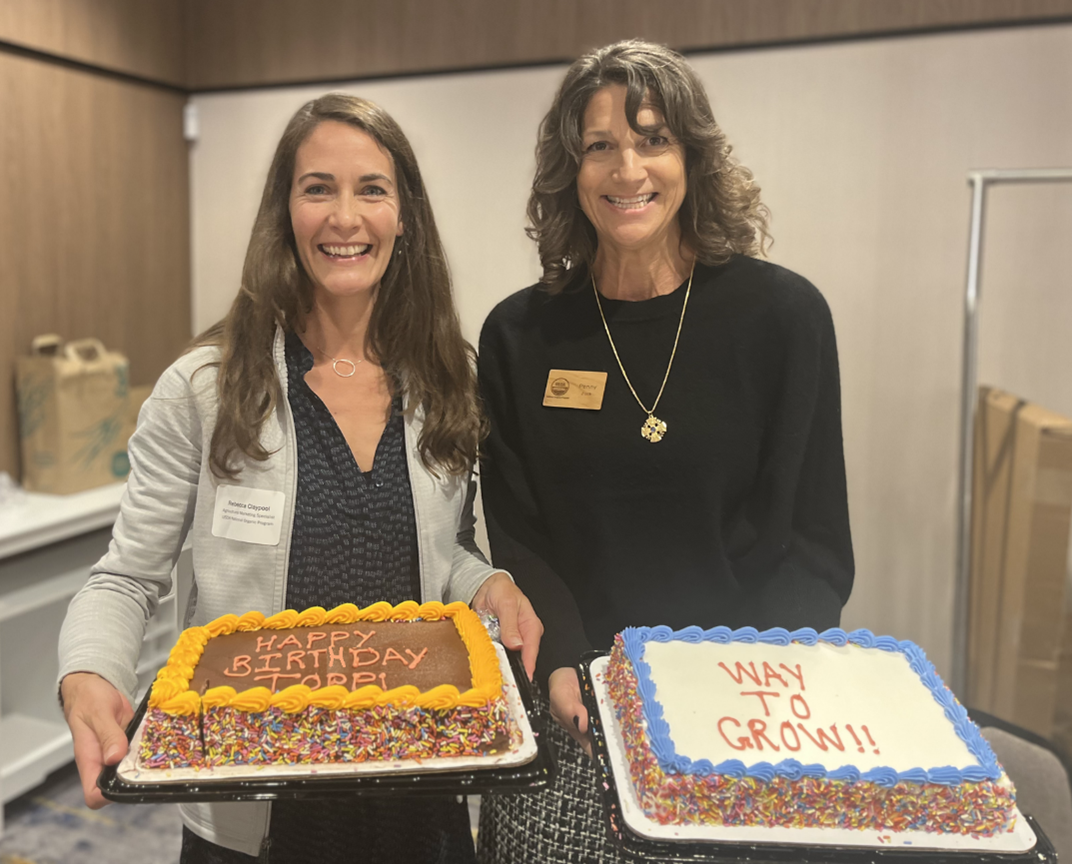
338	392
665	441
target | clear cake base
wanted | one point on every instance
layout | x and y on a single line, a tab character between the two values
1018	837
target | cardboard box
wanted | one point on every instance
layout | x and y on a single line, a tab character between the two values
73	415
1021	515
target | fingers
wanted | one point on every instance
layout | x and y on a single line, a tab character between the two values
566	706
531	628
519	625
97	714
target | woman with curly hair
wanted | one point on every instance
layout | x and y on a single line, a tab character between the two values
338	391
665	441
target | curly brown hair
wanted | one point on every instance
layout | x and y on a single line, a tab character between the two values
414	330
721	214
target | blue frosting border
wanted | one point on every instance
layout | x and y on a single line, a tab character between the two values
635	638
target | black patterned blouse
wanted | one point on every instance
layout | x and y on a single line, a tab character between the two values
355	536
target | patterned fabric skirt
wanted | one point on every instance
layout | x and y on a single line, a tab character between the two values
563	824
390	830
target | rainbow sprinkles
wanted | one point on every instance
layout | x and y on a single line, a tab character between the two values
802	730
321	686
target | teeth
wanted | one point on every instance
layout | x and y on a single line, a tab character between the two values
631	203
346	251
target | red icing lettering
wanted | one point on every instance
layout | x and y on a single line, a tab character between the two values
870	740
355	651
317	652
295	657
290	640
338	636
275	676
742	671
798	674
240	662
762	694
383	680
363	678
417	658
364	636
743	743
394	655
263	645
336	678
758	728
268	667
787	725
793	700
824	739
855	737
333	655
314	636
769	672
314	678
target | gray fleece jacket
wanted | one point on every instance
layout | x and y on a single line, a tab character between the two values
171	497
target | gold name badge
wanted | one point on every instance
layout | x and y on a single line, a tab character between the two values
570	388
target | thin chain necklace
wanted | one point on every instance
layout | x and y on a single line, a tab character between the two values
336	361
653	428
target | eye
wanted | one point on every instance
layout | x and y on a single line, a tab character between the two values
374	191
597	147
316	189
657	142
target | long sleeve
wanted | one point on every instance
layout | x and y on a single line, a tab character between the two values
518	537
106	620
791	541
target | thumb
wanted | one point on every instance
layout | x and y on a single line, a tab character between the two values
113	740
507	613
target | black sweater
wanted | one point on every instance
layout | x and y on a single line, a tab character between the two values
737	517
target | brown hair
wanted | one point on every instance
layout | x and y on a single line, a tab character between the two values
414	330
721	213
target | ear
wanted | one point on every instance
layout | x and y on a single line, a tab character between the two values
400	228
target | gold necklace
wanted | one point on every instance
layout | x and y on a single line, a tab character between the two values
653	428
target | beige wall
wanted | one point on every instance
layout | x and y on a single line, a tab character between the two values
862	150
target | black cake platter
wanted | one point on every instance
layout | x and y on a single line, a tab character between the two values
640	839
528	765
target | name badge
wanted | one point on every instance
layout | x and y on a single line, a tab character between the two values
248	515
570	388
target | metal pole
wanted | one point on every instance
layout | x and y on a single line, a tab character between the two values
962	585
969	376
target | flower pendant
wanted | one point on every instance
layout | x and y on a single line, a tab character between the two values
653	429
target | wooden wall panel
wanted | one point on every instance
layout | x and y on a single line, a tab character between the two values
137	37
94	220
233	43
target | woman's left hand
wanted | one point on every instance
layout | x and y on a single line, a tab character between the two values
519	625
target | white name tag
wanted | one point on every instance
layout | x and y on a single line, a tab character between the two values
248	515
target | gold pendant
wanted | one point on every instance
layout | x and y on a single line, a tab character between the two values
653	429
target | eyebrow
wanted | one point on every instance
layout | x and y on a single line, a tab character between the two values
364	178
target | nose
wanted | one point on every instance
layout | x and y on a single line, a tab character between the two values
346	215
631	166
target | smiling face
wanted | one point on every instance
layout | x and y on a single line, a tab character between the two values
344	209
630	184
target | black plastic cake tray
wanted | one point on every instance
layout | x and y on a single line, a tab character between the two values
532	775
637	847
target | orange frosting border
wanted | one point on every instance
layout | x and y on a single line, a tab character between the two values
172	694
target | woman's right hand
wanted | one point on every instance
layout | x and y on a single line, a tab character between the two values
98	715
566	706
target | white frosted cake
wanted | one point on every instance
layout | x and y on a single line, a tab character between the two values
847	730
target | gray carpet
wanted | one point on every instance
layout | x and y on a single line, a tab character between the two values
51	825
